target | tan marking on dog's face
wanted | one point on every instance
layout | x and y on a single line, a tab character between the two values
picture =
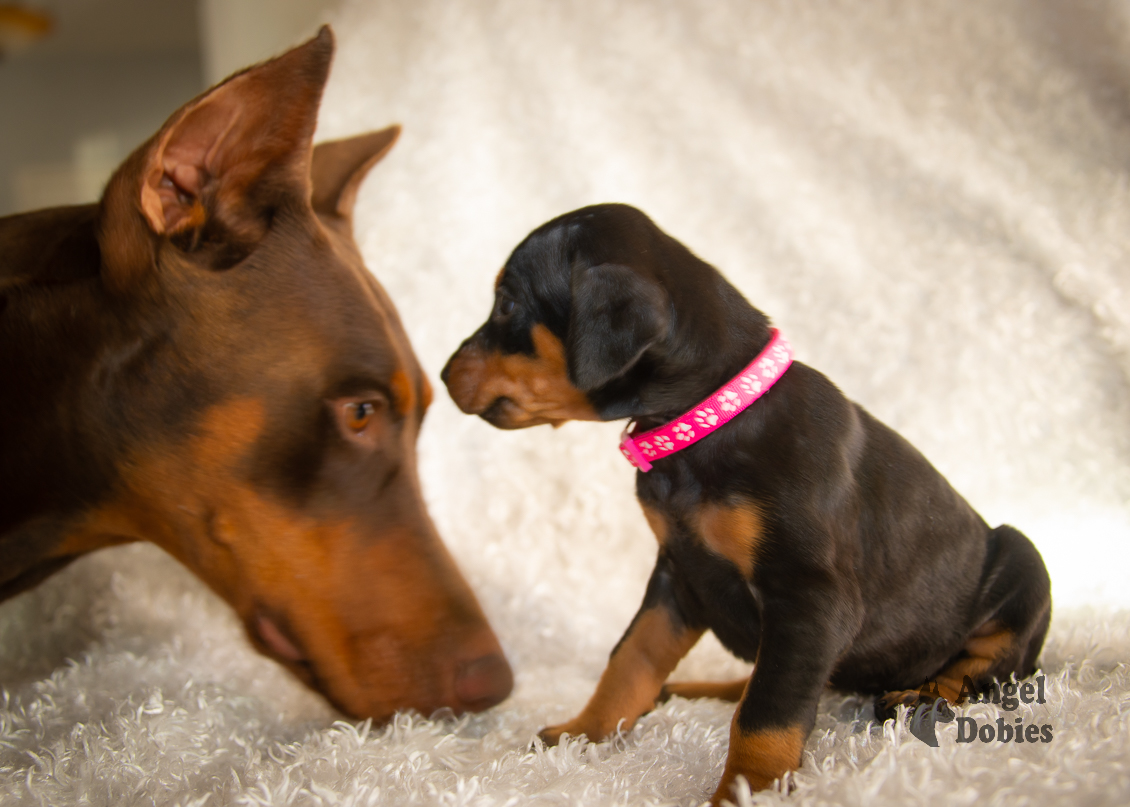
759	756
657	521
403	393
377	617
732	530
516	390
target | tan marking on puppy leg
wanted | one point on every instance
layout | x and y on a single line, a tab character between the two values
732	530
988	645
633	678
984	649
657	521
731	691
426	393
760	757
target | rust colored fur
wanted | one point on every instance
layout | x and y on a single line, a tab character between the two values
202	360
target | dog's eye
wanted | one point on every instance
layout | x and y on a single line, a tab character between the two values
503	307
359	414
359	418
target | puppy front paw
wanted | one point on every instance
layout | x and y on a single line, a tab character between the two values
592	729
761	758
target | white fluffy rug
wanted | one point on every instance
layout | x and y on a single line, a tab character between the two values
931	198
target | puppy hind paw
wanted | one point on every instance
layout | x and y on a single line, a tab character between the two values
886	706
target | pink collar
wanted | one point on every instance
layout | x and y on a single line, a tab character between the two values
717	410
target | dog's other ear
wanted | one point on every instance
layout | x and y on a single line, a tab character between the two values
340	165
616	315
220	167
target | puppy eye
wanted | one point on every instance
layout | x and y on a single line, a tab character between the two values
504	307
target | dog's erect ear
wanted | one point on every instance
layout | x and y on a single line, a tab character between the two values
616	315
221	166
340	165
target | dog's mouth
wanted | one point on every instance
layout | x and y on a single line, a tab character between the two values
504	413
277	640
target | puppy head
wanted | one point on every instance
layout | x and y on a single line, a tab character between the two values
581	311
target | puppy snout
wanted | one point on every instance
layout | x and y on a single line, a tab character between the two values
462	376
445	373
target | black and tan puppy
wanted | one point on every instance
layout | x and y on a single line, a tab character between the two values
812	539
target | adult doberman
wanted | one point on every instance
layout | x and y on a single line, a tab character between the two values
202	360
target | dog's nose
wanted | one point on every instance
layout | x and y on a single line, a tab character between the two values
446	371
484	682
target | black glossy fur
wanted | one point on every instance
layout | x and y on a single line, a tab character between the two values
871	573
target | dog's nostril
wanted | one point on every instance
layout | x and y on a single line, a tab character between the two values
484	682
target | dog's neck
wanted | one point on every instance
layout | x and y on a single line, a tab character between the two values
715	333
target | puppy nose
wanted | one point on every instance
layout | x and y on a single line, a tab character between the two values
484	682
446	371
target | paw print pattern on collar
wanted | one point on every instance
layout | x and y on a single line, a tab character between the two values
716	411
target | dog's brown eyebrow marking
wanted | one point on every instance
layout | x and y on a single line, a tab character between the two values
733	530
403	392
498	278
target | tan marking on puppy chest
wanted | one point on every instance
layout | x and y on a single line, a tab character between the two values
657	521
733	530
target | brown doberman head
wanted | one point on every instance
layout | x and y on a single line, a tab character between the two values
203	361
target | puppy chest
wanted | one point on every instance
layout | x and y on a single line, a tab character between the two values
713	548
732	530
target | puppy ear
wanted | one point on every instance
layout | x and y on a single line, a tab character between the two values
215	174
340	165
616	315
